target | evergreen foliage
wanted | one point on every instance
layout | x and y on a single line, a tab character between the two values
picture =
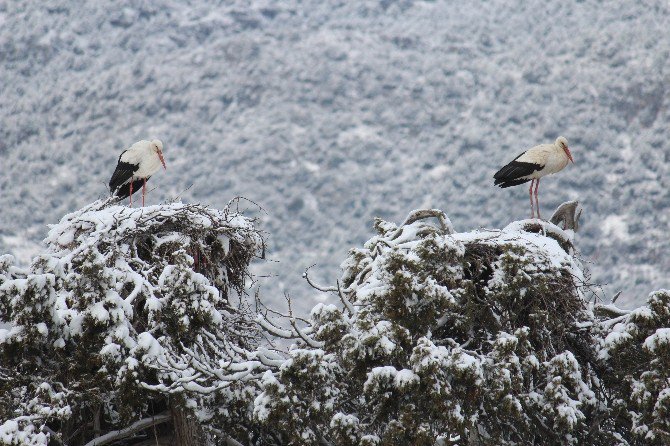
135	317
129	313
447	338
637	350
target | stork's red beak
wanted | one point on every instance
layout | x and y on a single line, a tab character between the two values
567	152
160	155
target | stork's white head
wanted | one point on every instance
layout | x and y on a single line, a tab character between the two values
562	143
157	147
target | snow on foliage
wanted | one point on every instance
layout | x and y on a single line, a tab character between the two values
21	433
126	307
637	350
481	337
440	337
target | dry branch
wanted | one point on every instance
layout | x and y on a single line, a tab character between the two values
568	214
130	430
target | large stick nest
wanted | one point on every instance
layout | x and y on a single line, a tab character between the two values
219	244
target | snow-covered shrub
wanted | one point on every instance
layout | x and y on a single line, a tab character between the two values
446	338
130	312
637	349
134	317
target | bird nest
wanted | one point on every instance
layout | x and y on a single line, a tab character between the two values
219	244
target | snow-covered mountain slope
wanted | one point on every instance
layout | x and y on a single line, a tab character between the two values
329	113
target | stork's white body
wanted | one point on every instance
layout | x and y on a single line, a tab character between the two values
136	165
532	165
143	156
550	156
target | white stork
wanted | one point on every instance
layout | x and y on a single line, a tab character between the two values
136	165
532	165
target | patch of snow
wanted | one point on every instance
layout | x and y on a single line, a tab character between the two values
660	339
615	229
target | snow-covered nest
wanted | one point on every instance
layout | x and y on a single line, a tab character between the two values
137	302
531	262
212	238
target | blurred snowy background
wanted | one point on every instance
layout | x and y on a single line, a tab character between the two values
329	113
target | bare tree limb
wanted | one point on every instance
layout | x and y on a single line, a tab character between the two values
130	430
348	305
338	290
421	214
314	285
567	213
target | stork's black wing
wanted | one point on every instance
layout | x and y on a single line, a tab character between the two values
121	177
513	174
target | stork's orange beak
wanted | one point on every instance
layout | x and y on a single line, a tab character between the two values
160	155
567	152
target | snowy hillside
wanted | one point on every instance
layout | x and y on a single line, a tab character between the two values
330	113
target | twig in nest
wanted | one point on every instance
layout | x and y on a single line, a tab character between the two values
237	201
178	197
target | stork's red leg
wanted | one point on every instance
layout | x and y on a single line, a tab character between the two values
537	203
144	188
131	192
530	194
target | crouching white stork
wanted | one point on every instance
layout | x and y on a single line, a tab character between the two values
136	165
532	165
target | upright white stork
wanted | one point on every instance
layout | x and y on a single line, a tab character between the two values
532	165
136	165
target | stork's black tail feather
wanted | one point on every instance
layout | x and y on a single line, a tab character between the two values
511	183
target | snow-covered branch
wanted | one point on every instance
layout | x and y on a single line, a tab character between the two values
137	426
